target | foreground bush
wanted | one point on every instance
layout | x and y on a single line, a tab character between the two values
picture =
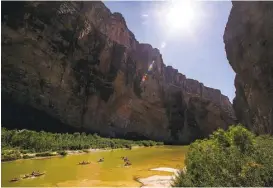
232	158
32	141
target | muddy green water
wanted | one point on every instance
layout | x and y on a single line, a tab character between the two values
64	171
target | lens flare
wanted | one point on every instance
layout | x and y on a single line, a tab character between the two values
145	76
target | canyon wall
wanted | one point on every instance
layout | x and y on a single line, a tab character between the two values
249	46
77	65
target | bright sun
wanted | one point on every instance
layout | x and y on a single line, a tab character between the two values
181	15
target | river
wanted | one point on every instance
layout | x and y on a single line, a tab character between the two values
65	171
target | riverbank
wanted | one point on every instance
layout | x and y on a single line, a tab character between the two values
25	144
65	153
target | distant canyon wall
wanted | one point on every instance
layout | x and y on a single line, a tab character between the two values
76	65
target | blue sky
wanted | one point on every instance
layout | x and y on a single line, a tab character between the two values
196	50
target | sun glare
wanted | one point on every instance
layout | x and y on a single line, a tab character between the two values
181	15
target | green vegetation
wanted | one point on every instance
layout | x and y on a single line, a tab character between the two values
45	154
235	157
9	155
63	153
25	151
85	150
28	156
15	142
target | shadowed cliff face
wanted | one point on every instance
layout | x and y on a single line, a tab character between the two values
76	65
249	46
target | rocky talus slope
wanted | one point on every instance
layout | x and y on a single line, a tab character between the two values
76	65
249	46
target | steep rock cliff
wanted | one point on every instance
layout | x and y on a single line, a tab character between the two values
249	46
75	64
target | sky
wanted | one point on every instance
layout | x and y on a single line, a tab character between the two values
189	35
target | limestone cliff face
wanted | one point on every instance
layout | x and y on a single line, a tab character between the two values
249	46
76	65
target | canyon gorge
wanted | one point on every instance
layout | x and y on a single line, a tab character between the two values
76	66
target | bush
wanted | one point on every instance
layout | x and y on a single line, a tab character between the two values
128	146
85	150
63	153
159	143
9	155
25	151
28	156
44	154
229	158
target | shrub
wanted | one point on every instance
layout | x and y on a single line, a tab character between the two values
25	151
229	158
159	143
9	155
44	154
63	153
128	146
85	150
28	156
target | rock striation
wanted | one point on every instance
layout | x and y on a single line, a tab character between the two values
249	47
75	65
